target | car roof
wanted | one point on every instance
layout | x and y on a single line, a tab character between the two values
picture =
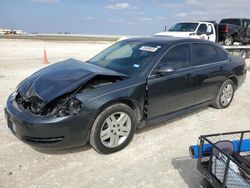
166	39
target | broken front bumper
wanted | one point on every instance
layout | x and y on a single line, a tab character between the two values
47	131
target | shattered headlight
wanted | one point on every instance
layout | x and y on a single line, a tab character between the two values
14	94
71	107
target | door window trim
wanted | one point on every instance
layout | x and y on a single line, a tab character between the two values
193	63
183	43
212	63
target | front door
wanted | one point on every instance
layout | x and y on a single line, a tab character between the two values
174	91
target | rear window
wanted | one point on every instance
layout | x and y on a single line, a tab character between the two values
205	54
231	21
223	56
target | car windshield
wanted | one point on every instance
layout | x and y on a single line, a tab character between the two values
184	27
231	21
127	57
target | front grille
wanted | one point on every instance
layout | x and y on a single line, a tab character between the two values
50	140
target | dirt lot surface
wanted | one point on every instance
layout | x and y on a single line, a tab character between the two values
157	156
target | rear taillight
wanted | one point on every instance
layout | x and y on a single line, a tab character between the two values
226	29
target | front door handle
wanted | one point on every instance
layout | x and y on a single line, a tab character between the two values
188	76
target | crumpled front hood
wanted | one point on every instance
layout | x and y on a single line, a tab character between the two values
59	79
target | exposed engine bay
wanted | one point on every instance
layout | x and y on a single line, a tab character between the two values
65	104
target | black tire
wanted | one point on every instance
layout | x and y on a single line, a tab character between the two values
205	184
217	103
95	133
228	41
244	54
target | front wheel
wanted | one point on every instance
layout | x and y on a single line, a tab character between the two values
225	95
113	129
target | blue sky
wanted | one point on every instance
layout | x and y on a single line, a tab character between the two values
131	17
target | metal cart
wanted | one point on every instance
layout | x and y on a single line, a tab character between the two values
223	166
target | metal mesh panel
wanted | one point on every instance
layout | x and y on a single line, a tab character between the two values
223	166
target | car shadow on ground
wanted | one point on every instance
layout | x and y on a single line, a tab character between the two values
172	119
64	151
188	171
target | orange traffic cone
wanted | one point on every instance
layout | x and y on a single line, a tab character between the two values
45	60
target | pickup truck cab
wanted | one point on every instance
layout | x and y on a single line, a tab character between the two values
198	30
234	30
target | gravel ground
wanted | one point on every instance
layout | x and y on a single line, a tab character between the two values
157	157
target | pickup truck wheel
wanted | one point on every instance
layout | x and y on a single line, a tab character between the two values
228	41
225	95
113	129
243	54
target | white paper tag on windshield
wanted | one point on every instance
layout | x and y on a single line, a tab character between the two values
148	48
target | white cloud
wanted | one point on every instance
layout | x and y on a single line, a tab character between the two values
144	19
131	23
88	18
181	15
160	18
118	6
141	12
45	1
116	20
193	14
169	5
207	9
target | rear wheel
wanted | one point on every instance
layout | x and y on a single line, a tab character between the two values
225	95
228	41
113	129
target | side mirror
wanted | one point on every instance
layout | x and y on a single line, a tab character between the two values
165	69
165	28
201	33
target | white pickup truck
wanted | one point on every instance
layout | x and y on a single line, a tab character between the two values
200	30
206	31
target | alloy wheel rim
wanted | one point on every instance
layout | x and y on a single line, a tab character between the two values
115	129
227	94
228	41
244	55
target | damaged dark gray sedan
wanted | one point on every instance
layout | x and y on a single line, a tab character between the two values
135	82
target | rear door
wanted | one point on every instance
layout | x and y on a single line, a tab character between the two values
174	91
210	64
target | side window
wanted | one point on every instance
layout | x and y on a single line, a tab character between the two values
177	57
223	56
210	29
202	29
205	54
